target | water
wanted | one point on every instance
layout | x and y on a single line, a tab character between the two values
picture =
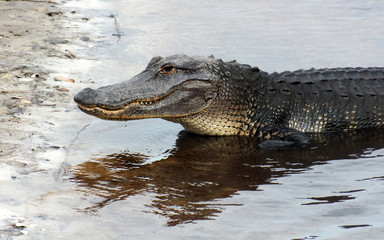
274	35
146	179
228	187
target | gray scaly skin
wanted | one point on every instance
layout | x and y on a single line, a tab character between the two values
211	97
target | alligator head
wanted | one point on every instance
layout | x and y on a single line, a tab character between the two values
177	88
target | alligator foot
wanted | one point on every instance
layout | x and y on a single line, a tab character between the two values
283	138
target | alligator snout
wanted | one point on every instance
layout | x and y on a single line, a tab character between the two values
87	96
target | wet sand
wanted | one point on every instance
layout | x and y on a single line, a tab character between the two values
35	72
30	35
45	54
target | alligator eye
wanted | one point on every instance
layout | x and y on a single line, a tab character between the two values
167	69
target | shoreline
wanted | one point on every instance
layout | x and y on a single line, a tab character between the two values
47	50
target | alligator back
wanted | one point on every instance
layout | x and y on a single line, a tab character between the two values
320	100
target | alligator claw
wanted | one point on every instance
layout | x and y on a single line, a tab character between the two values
275	144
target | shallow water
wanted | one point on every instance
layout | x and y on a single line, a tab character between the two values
202	178
147	179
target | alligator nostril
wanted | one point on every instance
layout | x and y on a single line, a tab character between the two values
86	96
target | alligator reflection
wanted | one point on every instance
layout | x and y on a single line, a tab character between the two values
203	169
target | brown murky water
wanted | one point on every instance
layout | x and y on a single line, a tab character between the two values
188	183
170	184
150	180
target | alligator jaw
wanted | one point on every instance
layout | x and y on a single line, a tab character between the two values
117	113
168	106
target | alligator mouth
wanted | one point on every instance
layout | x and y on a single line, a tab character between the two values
185	99
149	101
118	112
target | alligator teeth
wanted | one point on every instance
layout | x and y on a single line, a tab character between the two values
145	103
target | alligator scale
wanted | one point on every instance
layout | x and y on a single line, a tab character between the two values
211	97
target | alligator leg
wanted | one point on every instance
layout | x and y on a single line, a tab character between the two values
280	137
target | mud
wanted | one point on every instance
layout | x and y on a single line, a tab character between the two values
32	34
46	49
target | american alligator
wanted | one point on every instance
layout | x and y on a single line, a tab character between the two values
211	97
